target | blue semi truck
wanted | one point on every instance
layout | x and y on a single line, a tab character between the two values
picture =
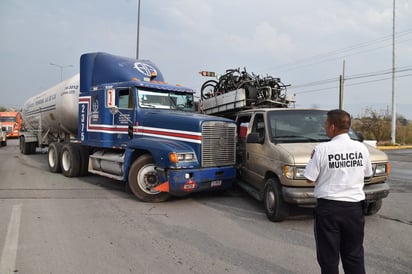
119	118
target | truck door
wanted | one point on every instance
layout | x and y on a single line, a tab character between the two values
255	156
126	104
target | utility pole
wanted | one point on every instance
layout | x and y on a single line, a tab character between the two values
393	127
341	87
138	27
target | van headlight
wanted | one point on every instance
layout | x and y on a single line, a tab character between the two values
380	169
294	172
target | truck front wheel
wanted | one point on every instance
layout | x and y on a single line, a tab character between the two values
143	178
53	158
275	207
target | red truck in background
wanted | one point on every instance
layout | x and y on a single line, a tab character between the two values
12	121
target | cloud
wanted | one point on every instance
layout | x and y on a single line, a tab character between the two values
185	36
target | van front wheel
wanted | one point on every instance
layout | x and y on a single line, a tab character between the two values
275	207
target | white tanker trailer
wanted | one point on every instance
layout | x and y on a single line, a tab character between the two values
51	115
120	119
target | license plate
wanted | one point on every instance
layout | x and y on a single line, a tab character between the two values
216	183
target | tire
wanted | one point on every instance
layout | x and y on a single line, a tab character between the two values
32	148
53	157
142	178
275	207
372	207
21	143
70	160
208	89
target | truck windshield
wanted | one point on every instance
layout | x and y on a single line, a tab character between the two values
7	119
297	126
165	100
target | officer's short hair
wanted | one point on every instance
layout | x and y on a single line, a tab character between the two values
340	118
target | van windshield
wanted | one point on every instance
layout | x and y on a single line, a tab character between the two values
297	126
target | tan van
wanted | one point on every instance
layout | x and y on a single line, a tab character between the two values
274	146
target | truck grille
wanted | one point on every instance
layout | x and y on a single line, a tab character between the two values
218	144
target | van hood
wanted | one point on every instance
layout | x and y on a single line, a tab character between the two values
300	153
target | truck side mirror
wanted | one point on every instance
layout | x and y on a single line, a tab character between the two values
254	138
114	110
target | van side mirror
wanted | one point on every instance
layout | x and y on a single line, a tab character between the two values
360	135
254	138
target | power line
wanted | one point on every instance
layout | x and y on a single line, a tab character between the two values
353	77
344	52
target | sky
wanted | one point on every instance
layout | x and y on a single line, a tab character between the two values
308	44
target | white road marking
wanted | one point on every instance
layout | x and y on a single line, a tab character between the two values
8	257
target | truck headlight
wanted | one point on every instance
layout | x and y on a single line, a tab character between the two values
379	169
175	157
293	172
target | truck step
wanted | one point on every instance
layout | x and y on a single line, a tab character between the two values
105	174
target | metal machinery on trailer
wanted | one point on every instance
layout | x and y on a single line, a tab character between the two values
275	143
119	119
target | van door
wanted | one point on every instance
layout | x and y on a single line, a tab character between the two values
255	153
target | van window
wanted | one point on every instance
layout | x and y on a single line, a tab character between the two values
259	125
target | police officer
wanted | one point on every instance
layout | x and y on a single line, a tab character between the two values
338	168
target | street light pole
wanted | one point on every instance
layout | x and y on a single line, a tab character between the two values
61	69
138	27
393	123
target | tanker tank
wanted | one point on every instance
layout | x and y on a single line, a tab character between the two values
56	108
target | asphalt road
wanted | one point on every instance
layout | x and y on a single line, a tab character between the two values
53	224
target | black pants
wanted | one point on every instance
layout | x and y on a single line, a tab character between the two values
339	229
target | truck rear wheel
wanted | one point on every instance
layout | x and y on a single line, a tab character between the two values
53	159
143	177
25	148
70	160
275	207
